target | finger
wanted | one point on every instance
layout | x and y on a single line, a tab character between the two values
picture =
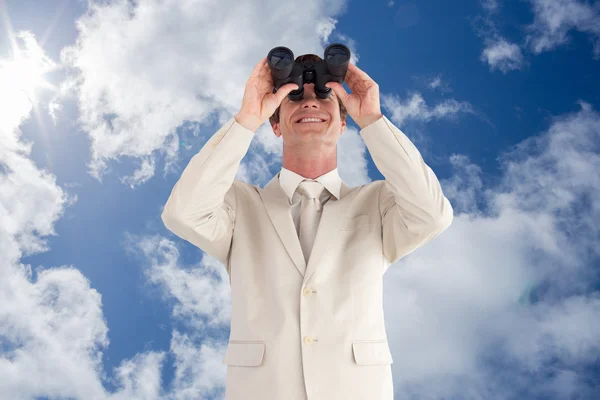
357	86
359	72
351	78
283	91
265	75
265	79
258	68
339	90
359	79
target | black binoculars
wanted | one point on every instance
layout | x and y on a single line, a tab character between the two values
284	69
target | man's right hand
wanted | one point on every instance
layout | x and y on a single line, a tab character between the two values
259	101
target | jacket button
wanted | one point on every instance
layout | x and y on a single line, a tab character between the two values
308	340
307	291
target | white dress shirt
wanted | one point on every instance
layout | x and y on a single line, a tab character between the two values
290	180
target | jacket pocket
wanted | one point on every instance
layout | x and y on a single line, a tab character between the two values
244	354
374	352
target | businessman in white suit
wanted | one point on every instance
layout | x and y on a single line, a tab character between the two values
305	269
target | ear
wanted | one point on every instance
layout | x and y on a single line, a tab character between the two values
276	128
343	127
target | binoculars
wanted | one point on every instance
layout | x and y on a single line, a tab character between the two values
284	69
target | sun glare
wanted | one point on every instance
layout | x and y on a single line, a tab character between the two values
26	74
20	78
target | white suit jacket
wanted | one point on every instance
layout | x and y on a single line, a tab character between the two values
307	331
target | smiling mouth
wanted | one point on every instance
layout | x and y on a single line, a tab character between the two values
311	122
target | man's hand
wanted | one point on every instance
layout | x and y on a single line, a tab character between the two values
259	101
363	104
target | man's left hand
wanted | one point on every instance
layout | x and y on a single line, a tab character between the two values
363	103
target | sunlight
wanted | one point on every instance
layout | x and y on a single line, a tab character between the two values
26	75
26	70
20	78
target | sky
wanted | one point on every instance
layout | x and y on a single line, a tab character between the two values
103	104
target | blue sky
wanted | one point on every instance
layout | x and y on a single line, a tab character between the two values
501	99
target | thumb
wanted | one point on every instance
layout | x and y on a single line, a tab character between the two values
283	91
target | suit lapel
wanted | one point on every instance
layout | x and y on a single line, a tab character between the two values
278	208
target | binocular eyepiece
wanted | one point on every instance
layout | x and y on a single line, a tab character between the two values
284	69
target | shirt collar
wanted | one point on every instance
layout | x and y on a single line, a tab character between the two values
289	181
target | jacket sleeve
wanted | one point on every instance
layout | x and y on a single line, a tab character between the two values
411	203
202	205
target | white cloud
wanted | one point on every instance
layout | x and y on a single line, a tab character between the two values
509	289
555	18
140	72
490	5
52	330
503	55
201	294
437	83
199	371
499	53
138	378
415	108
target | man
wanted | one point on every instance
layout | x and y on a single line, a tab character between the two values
306	254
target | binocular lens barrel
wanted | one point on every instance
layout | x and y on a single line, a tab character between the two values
337	57
281	62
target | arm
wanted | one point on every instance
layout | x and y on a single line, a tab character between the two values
202	205
411	203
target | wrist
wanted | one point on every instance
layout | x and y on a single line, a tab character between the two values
248	122
369	120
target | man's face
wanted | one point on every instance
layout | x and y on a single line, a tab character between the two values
294	132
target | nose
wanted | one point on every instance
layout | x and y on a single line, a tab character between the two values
310	101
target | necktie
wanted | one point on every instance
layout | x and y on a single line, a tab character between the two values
310	214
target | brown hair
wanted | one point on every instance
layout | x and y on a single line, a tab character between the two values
274	119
